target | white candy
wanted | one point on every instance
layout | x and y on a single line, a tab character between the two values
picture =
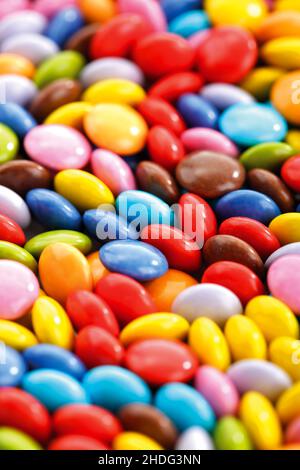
22	22
290	249
34	47
17	89
13	206
194	438
111	67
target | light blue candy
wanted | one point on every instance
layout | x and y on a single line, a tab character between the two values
197	112
189	23
12	367
173	8
140	209
136	259
223	95
253	124
107	226
17	118
113	387
52	210
185	407
49	356
247	203
64	24
53	388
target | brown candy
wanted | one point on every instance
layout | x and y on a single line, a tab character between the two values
154	179
80	41
58	93
229	248
23	175
146	419
210	174
267	183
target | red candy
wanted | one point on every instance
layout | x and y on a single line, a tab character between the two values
173	86
236	277
159	361
181	252
88	420
165	148
290	173
85	308
22	411
76	442
227	54
10	231
125	296
253	232
117	37
158	112
96	347
197	214
160	54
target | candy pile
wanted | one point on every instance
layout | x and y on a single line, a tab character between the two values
149	224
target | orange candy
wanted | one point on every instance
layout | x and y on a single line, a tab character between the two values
98	11
98	270
279	24
62	270
285	96
165	289
14	64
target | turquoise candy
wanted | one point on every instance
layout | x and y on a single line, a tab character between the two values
189	23
113	387
252	124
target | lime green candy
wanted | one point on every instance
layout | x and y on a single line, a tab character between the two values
13	439
230	434
37	244
16	253
67	64
9	144
269	156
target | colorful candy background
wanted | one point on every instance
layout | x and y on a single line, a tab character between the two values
177	332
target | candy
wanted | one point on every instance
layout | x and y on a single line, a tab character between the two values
289	249
244	338
10	231
208	139
269	156
17	118
158	112
173	9
79	240
285	96
282	52
98	271
22	22
16	336
290	173
222	96
66	64
70	115
80	41
189	23
114	91
286	228
15	64
150	10
172	86
197	111
12	370
164	147
98	11
34	47
288	404
283	281
76	442
65	23
152	178
231	434
284	351
134	441
259	81
196	210
106	226
12	439
19	90
16	253
248	13
194	438
9	144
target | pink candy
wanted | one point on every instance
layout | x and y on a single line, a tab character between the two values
49	8
150	10
13	6
201	138
284	281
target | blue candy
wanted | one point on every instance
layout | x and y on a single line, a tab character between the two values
185	407
173	8
197	112
298	208
114	387
53	388
17	118
136	259
52	210
189	23
12	367
66	23
108	226
252	124
48	356
247	203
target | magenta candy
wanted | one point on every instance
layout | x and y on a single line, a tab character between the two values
12	6
201	138
57	147
150	10
284	281
218	390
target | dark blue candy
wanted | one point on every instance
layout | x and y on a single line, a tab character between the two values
48	356
247	203
107	226
66	23
298	208
173	8
17	118
197	112
136	259
12	367
53	210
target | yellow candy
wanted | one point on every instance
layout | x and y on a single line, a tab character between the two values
282	52
51	323
261	421
245	13
293	139
116	127
208	342
286	227
285	352
114	90
16	336
288	405
245	339
272	317
71	115
156	325
260	81
81	188
287	5
135	441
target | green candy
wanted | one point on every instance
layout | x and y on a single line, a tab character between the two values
67	64
13	439
37	244
231	434
269	156
16	253
9	144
